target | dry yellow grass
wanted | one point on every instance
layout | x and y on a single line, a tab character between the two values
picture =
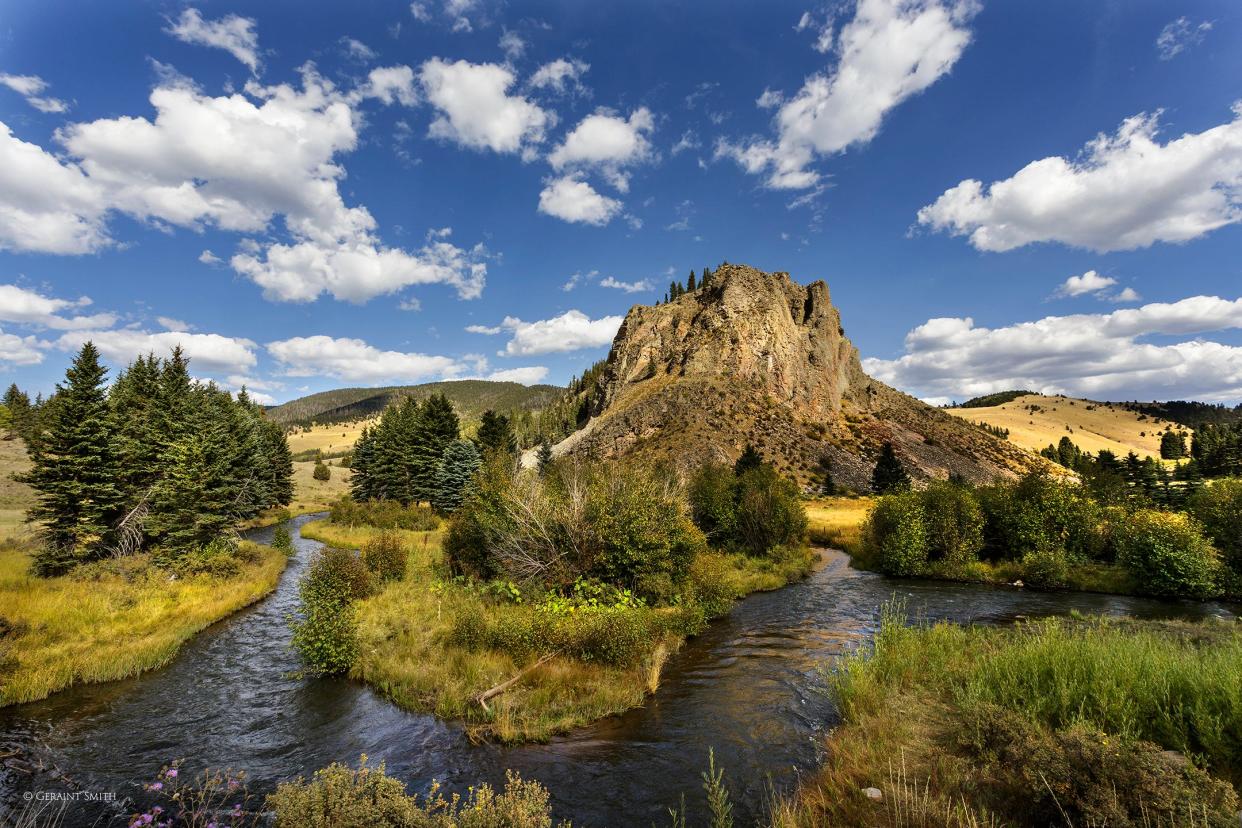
1091	425
837	521
311	495
109	620
15	498
330	439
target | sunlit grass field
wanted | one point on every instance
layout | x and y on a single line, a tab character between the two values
15	498
837	521
109	620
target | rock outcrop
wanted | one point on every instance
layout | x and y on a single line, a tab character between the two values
754	357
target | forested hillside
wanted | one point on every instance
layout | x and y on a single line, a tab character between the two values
469	397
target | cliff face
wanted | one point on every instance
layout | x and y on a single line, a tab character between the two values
754	357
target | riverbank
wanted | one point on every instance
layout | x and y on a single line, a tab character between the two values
838	522
412	647
112	619
1061	721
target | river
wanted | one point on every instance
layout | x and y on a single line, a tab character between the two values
749	688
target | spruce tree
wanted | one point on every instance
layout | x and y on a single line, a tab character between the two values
750	458
455	474
21	415
889	474
75	471
690	283
435	427
544	458
496	434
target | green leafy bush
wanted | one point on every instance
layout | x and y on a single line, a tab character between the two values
1218	508
1045	569
383	514
325	631
1040	513
321	471
753	511
222	558
624	525
954	523
1168	554
282	539
896	534
385	556
713	585
340	797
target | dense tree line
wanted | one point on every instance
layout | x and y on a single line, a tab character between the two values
1218	449
415	453
1130	479
157	459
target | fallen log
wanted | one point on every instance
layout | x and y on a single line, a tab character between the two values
492	692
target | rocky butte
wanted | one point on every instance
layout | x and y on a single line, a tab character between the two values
753	357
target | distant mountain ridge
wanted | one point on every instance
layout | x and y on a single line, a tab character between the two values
470	397
752	357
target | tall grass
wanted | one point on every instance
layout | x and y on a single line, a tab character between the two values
837	522
109	620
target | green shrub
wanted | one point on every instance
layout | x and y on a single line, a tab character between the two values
1218	508
895	534
339	797
321	471
385	556
1040	513
384	514
282	539
222	558
753	512
625	525
1045	569
954	523
607	635
769	511
712	583
1167	554
325	630
713	503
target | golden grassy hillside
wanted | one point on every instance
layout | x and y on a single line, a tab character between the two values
1034	421
330	439
15	498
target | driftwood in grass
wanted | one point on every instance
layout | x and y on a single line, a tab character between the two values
492	692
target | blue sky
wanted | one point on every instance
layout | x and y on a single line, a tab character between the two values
309	195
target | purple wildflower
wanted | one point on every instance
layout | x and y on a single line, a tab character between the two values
172	773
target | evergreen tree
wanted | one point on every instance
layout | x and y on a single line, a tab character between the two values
1173	445
361	483
455	474
321	471
750	458
75	471
496	434
21	415
135	399
889	474
435	428
706	277
544	457
690	283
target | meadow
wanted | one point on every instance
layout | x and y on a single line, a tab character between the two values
111	619
410	650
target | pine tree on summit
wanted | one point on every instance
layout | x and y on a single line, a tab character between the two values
690	283
75	469
889	475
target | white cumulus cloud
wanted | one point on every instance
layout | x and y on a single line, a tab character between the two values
573	330
1126	191
476	110
208	352
353	360
234	34
561	76
571	199
1089	282
889	51
637	286
530	375
1101	356
27	307
607	142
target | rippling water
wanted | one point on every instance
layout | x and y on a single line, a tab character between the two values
749	688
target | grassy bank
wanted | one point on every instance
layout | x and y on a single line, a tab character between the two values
837	522
111	619
410	644
1067	722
